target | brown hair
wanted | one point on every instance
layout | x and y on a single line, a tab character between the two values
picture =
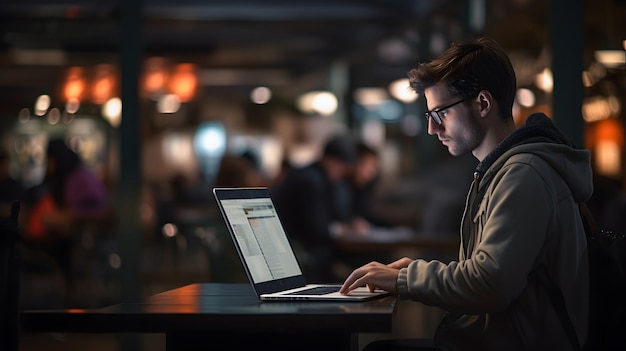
469	67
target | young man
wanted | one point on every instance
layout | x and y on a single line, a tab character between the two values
521	214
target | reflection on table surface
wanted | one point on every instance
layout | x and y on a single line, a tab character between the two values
214	307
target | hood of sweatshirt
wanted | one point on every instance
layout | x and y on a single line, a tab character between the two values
541	137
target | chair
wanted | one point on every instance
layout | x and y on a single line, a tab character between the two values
9	277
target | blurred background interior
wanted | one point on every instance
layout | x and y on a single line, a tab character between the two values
154	95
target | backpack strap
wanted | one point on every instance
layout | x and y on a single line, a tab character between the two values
555	293
556	296
588	222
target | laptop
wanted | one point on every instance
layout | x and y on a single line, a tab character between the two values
265	251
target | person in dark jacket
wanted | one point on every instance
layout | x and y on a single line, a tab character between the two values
304	201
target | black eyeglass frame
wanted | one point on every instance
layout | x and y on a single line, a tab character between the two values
434	113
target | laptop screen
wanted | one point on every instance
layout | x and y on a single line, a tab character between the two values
261	240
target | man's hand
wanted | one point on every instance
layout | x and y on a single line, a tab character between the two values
375	275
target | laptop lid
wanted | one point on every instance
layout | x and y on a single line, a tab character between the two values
265	251
260	239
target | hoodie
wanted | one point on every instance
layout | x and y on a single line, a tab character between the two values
521	212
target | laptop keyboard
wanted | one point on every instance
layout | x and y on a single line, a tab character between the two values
318	290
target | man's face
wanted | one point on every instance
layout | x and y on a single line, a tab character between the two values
365	170
460	129
336	169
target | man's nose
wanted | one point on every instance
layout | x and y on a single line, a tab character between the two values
433	127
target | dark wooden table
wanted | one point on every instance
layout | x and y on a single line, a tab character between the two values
200	316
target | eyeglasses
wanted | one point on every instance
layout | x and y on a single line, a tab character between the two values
437	114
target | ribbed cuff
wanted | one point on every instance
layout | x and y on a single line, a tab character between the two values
401	284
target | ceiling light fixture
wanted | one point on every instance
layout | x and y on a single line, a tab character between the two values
611	58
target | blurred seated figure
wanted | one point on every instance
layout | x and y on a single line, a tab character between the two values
239	171
72	194
355	195
305	204
10	189
72	198
234	171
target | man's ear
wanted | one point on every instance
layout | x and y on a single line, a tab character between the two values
485	102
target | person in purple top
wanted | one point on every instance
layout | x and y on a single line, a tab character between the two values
76	191
72	200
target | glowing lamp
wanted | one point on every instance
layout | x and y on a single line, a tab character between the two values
606	140
75	84
183	81
104	84
155	77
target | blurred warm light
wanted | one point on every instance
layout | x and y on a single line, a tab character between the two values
112	111
169	230
260	95
72	106
83	136
183	81
54	116
168	103
272	154
305	102
323	102
75	85
177	149
67	118
615	105
42	104
401	90
301	155
104	83
115	261
599	108
24	115
525	97
544	80
608	158
588	80
611	58
606	139
596	72
370	97
624	44
154	77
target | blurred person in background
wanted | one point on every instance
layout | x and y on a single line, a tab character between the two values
73	193
72	198
355	195
304	201
234	171
239	171
521	218
10	189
